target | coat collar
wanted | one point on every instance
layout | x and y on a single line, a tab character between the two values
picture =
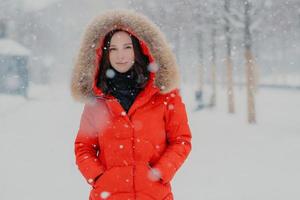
142	98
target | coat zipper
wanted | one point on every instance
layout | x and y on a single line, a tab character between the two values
133	154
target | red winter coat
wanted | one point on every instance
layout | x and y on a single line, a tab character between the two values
133	155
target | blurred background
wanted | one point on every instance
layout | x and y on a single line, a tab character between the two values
240	80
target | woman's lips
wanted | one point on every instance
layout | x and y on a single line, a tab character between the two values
122	63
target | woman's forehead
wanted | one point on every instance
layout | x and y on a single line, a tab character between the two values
120	37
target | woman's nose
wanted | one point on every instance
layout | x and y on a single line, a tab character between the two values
120	55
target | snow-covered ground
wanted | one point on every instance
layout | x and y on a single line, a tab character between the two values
230	160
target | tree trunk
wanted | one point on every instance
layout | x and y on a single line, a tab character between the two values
250	67
250	73
213	68
201	66
229	68
230	91
200	85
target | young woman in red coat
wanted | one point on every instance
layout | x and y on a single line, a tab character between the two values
134	133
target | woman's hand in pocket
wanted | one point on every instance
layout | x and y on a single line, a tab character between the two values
154	174
96	179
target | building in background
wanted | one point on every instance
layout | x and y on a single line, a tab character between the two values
14	59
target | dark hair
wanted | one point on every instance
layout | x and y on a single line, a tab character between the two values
139	67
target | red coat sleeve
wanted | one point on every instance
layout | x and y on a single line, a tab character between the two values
178	138
86	147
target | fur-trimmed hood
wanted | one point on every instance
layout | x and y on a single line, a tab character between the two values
85	69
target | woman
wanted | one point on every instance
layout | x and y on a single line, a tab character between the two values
134	133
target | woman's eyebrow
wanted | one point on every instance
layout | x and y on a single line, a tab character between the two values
123	44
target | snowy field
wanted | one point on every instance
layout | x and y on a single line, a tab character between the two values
230	160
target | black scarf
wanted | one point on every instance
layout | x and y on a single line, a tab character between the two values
123	86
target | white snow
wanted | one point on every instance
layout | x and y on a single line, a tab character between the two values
230	160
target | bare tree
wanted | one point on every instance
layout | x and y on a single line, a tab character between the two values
229	67
198	11
206	19
250	66
200	86
249	20
212	102
213	18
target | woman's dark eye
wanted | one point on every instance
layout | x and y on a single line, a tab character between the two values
129	47
112	49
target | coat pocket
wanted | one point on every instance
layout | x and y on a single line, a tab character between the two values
114	180
97	179
149	185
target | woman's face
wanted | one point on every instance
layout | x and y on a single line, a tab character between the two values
121	54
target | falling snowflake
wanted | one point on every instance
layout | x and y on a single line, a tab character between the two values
104	195
110	73
121	146
152	67
154	174
170	106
